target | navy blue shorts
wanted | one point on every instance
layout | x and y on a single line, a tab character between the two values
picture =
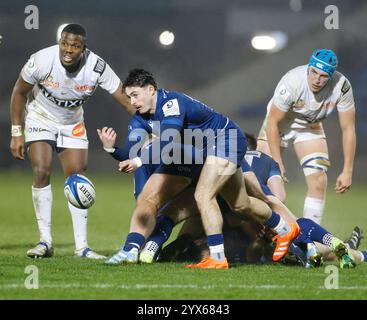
191	171
246	168
230	144
142	175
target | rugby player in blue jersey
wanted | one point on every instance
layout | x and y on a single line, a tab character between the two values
176	115
265	168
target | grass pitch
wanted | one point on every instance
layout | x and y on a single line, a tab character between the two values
67	277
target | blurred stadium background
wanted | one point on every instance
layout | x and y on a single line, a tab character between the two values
211	58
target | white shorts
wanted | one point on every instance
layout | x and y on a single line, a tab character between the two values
72	136
312	132
300	135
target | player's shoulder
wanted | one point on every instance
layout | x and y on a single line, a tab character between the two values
46	56
340	83
167	95
170	102
95	62
296	76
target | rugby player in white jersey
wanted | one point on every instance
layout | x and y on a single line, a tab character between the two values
47	114
303	98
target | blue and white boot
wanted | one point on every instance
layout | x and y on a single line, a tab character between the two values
41	250
124	257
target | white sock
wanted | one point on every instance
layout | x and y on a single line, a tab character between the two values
42	202
217	252
313	209
79	217
282	227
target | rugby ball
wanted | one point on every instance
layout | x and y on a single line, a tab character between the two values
80	191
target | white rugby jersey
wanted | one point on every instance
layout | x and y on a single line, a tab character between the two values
59	95
305	108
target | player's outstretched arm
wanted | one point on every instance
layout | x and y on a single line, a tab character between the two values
272	132
17	104
347	125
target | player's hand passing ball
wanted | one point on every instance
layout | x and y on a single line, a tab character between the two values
127	166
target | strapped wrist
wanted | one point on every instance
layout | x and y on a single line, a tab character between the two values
16	130
109	150
138	162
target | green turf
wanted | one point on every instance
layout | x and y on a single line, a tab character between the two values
66	277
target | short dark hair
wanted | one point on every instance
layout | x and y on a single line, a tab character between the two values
139	78
76	29
251	141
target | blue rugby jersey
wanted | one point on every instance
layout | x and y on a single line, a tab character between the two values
262	165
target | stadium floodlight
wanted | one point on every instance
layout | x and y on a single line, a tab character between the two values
59	30
166	38
270	41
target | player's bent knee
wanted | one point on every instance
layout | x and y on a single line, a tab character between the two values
317	162
202	198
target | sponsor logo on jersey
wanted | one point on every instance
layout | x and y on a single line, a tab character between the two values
171	108
84	87
35	129
78	130
345	87
100	66
60	102
183	169
316	126
299	104
31	65
49	82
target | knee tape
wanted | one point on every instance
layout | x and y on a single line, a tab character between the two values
314	163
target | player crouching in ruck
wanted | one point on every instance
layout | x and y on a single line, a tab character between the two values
221	173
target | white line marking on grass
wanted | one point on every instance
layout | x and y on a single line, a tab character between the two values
170	286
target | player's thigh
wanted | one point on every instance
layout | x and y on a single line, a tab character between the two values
182	206
40	155
306	148
234	191
161	188
214	175
73	160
